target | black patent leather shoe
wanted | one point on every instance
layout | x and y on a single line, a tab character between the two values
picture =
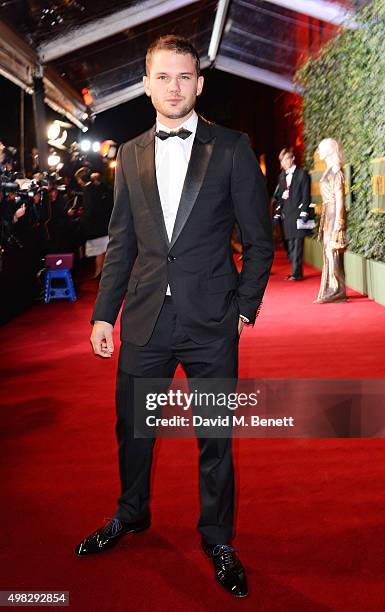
229	571
108	536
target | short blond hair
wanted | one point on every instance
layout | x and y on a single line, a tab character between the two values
171	42
337	151
286	152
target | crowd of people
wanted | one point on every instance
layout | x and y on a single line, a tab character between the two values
51	214
65	211
44	213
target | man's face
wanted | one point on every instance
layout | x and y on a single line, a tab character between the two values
173	85
287	161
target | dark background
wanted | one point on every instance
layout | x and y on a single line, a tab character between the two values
264	113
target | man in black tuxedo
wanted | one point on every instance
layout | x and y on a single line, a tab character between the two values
293	200
179	189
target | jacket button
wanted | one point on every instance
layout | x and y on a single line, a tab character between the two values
171	258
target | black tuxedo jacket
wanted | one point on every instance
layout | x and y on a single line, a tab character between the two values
298	201
223	184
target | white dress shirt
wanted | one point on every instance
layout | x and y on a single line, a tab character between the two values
289	175
172	157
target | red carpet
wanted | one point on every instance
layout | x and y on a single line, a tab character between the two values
311	522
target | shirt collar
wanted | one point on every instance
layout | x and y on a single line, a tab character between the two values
291	169
190	124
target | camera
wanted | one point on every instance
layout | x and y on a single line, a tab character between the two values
17	191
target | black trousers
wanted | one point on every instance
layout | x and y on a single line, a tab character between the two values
295	253
168	346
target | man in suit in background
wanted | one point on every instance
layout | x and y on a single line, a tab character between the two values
179	189
293	200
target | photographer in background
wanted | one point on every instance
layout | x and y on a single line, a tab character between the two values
60	234
12	207
21	240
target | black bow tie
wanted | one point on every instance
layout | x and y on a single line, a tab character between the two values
182	133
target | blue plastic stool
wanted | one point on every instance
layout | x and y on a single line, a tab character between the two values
67	291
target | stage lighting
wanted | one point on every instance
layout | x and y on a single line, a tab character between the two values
53	160
53	131
57	134
85	145
96	147
112	164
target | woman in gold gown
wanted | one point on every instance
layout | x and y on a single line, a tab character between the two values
332	224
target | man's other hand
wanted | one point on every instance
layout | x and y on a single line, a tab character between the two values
304	216
101	339
241	325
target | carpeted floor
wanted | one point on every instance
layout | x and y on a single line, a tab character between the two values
311	513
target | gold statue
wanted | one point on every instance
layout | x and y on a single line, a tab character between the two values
332	224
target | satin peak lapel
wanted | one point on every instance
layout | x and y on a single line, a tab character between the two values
145	159
294	178
200	156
